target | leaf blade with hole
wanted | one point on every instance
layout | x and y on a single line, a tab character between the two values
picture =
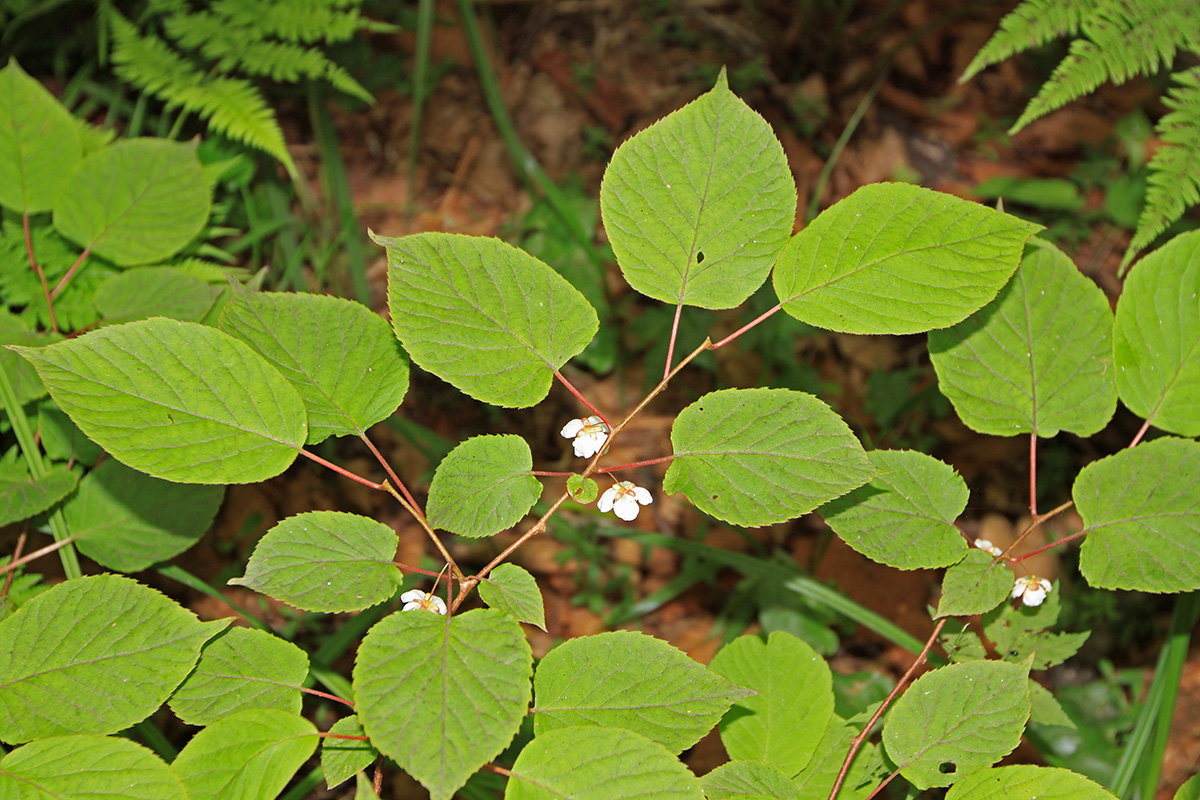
698	205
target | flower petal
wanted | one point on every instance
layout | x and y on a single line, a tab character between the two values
644	497
605	503
626	508
572	428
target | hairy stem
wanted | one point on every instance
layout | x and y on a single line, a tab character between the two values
671	342
760	318
866	731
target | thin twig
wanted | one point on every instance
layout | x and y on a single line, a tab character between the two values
761	317
37	269
671	342
582	399
18	560
8	579
1033	474
399	484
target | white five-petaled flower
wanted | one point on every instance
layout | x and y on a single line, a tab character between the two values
589	433
623	500
1031	589
423	601
987	546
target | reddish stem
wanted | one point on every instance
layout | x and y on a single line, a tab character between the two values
746	327
327	696
1033	474
347	736
1140	433
340	471
8	579
18	560
37	269
388	469
1054	544
65	279
417	570
498	770
543	474
637	464
866	731
582	399
671	343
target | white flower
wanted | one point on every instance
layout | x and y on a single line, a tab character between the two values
589	433
984	544
1031	589
623	500
423	601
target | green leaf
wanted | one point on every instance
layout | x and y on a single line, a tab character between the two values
38	143
783	724
1141	517
180	401
761	456
483	486
592	763
740	778
154	292
582	490
61	438
93	655
1045	708
22	497
1020	632
513	590
138	201
247	756
626	679
895	258
905	516
961	643
21	374
1156	341
407	667
974	585
956	720
325	561
1190	789
1021	364
484	316
867	770
87	767
126	520
341	357
341	758
698	205
1027	782
239	670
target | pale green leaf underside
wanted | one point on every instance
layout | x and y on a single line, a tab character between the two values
630	681
247	756
145	292
1027	782
761	456
327	561
956	720
737	779
895	258
483	486
698	205
68	767
1141	512
127	520
488	318
782	724
38	143
138	201
904	517
514	591
442	696
591	763
341	758
177	400
1156	341
1022	363
341	357
21	499
974	585
239	670
61	652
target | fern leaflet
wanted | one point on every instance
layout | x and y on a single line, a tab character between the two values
1031	24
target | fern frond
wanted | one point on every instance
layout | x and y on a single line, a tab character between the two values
1031	24
304	21
1174	182
231	106
1126	38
